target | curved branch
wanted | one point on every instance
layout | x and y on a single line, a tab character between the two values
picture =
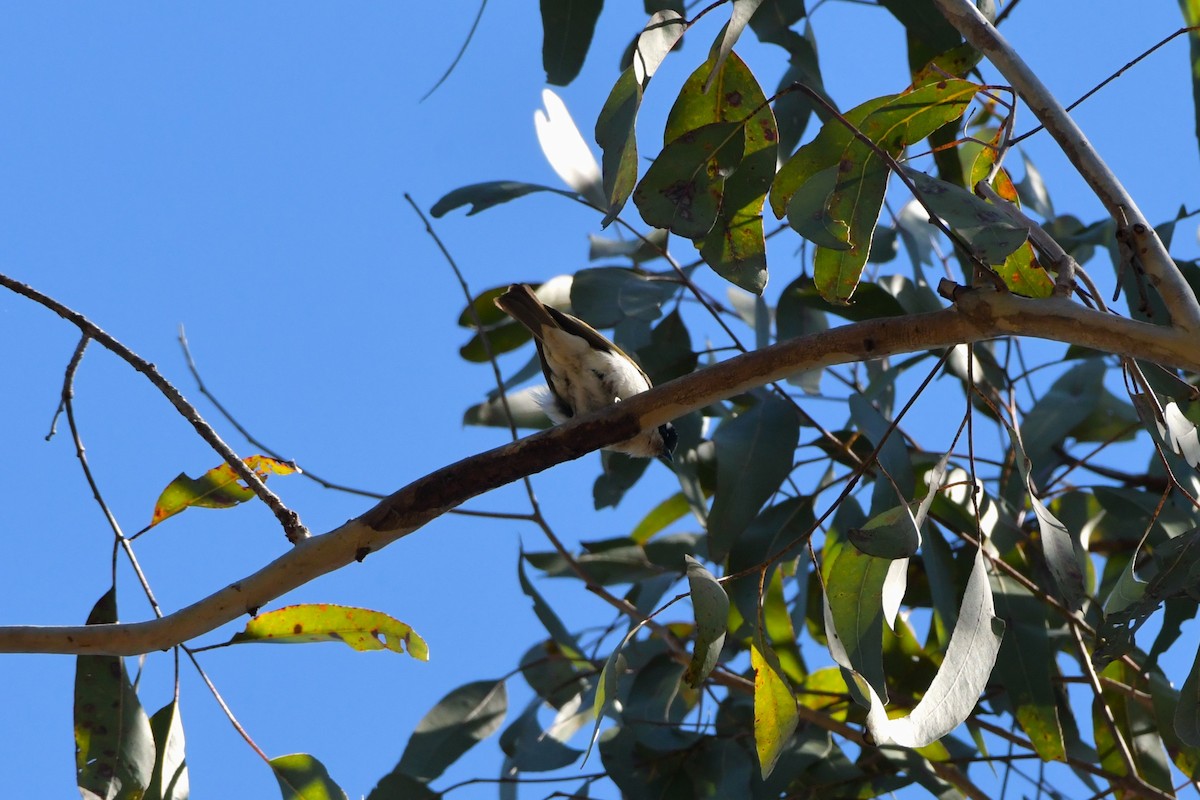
1177	295
978	314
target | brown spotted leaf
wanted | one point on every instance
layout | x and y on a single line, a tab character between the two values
218	488
361	628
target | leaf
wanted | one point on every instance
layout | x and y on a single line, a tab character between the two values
1137	726
891	535
220	487
683	188
961	677
775	712
1026	655
532	749
857	197
565	149
549	619
1070	400
990	234
1023	275
735	248
659	517
169	780
711	607
1131	603
567	27
460	720
1191	17
854	604
361	628
524	406
822	152
398	786
1187	711
114	746
482	196
620	473
302	777
616	125
1181	434
754	456
742	11
606	686
607	296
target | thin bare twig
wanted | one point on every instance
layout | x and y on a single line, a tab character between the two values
289	519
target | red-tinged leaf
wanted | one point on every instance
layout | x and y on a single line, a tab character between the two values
361	628
1023	275
217	488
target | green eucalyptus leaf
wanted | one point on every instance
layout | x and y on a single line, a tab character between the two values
303	777
459	721
567	27
754	455
482	196
710	604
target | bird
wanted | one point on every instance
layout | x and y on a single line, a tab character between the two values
584	370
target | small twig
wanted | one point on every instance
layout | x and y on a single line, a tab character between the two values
225	706
1107	80
289	519
251	438
66	403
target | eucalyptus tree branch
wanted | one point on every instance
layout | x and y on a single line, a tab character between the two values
1160	268
978	314
290	520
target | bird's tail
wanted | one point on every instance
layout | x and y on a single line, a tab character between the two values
520	303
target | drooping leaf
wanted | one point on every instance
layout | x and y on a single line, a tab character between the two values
398	786
482	196
459	721
361	628
170	778
754	455
775	713
114	746
1187	712
524	406
733	245
619	474
567	27
567	644
532	749
711	607
606	685
1068	402
1191	18
616	125
220	487
563	146
862	176
854	610
1025	656
961	677
606	296
1137	727
302	777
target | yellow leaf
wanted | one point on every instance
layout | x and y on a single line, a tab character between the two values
361	628
217	488
775	714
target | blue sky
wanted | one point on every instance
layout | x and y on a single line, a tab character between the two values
240	169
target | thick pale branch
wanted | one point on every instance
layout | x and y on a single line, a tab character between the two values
1160	268
979	314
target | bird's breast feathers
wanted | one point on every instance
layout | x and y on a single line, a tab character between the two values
588	378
